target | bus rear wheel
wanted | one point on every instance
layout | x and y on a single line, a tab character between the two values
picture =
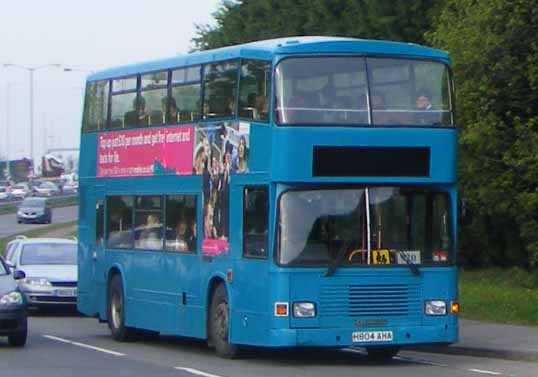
219	324
116	312
380	354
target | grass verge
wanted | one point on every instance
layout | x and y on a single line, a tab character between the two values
54	202
35	233
499	295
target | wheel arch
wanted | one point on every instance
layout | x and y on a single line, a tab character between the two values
212	284
114	270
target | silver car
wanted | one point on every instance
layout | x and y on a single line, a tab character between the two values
47	268
46	189
20	191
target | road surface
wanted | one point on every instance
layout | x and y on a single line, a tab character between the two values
68	345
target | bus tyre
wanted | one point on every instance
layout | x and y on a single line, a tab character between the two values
219	323
116	312
380	354
17	339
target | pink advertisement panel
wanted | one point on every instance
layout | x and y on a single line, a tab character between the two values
155	151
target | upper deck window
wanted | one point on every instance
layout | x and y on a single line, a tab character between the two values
409	92
254	90
95	106
362	91
126	84
154	80
220	84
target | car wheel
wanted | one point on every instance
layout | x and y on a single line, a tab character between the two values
18	339
382	354
116	312
219	324
19	222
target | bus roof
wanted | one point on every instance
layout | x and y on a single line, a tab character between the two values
267	49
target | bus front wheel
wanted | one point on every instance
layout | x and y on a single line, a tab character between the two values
219	323
116	312
381	354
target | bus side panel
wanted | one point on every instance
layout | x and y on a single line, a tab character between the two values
251	310
86	295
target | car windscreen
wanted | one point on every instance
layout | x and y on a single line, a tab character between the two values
2	189
33	203
3	268
49	253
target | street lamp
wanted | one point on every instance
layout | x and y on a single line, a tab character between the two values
31	70
68	69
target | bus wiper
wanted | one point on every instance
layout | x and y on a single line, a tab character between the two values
413	267
338	260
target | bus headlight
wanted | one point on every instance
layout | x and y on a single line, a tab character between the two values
435	307
304	309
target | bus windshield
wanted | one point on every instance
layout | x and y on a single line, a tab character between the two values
362	91
314	226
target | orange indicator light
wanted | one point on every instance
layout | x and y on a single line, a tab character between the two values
281	309
455	307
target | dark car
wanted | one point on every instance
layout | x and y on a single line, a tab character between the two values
13	318
34	210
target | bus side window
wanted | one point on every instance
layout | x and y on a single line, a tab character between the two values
255	222
119	222
181	223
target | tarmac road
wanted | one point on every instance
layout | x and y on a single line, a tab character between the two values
68	345
9	226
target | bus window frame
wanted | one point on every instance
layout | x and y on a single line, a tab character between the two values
170	85
162	214
244	254
269	96
200	81
106	232
198	222
450	88
236	91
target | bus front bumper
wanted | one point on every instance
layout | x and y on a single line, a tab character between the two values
343	337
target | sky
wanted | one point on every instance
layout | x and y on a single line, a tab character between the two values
83	36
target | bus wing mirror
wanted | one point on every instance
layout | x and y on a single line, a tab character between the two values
465	213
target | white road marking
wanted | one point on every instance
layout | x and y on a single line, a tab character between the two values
484	372
67	341
427	362
197	372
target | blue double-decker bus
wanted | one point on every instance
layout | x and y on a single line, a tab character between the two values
284	193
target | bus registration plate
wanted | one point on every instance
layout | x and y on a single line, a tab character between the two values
372	336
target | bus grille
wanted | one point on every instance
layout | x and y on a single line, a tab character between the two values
380	301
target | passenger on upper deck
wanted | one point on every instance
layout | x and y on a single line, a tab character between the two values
261	108
138	116
170	110
425	113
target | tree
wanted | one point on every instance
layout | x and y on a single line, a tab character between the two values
250	20
495	53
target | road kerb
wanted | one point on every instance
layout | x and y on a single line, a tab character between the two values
514	355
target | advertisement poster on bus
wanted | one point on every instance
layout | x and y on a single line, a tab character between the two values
136	153
214	152
220	151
